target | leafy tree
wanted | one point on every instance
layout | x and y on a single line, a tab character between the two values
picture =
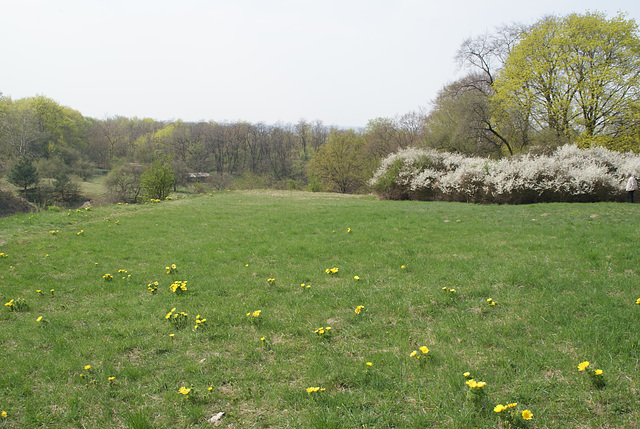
23	174
123	183
576	75
341	164
157	180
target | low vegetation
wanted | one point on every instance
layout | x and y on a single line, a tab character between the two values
283	309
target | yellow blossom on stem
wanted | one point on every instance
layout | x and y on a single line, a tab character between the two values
369	364
359	309
424	350
498	408
598	372
583	365
466	374
527	415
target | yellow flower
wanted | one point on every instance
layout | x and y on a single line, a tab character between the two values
348	230
369	364
498	408
111	378
452	290
3	414
471	383
262	339
171	335
413	353
527	415
512	405
356	277
184	390
256	313
638	301
173	266
248	314
87	367
402	267
481	384
39	319
466	374
359	309
210	388
583	365
598	372
489	300
424	350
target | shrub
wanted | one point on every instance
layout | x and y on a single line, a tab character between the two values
569	174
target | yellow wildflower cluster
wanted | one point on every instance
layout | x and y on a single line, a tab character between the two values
305	286
123	273
271	280
171	269
444	289
178	286
179	320
491	301
183	390
254	314
415	354
315	389
475	384
500	408
359	309
596	375
508	414
81	232
333	270
53	232
107	277
322	331
17	305
3	255
153	287
200	322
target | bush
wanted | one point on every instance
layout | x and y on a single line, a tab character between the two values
569	174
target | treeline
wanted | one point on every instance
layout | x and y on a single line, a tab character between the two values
528	89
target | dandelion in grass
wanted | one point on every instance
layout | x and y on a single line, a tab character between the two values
527	415
413	353
499	408
3	414
333	270
369	364
424	350
638	301
348	230
184	391
39	319
3	255
271	280
210	388
111	378
583	365
359	309
39	292
356	277
466	374
256	313
315	389
452	291
81	232
87	367
107	277
402	267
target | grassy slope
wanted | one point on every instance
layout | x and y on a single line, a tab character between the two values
565	283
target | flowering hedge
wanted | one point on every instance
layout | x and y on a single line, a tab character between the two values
569	174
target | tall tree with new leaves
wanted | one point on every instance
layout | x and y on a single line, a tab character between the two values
576	76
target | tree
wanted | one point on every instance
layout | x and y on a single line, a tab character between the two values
23	174
341	164
123	183
576	76
157	180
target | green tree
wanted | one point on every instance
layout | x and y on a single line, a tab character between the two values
157	180
575	75
23	174
341	164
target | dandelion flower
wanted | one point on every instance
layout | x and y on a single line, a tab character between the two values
598	372
210	388
3	414
498	408
39	319
369	364
356	277
512	405
184	390
527	415
402	267
111	378
466	374
171	335
348	230
413	353
262	339
256	313
424	350
87	367
489	299
638	301
359	309
481	384
583	365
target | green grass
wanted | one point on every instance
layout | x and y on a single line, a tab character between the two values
564	277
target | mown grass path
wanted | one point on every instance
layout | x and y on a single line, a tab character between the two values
564	278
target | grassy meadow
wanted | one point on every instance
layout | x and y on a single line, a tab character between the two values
87	351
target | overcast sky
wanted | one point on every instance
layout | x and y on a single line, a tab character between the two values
343	62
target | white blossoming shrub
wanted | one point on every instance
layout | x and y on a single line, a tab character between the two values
570	174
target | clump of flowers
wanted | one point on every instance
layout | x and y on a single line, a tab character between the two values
596	375
638	301
476	392
359	309
333	270
510	417
153	287
17	305
356	277
447	290
311	390
177	319
178	287
185	391
81	232
53	232
107	277
200	323
271	280
255	314
423	352
323	331
490	301
124	273
171	269
3	255
305	286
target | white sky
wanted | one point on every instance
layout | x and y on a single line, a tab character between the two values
343	62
